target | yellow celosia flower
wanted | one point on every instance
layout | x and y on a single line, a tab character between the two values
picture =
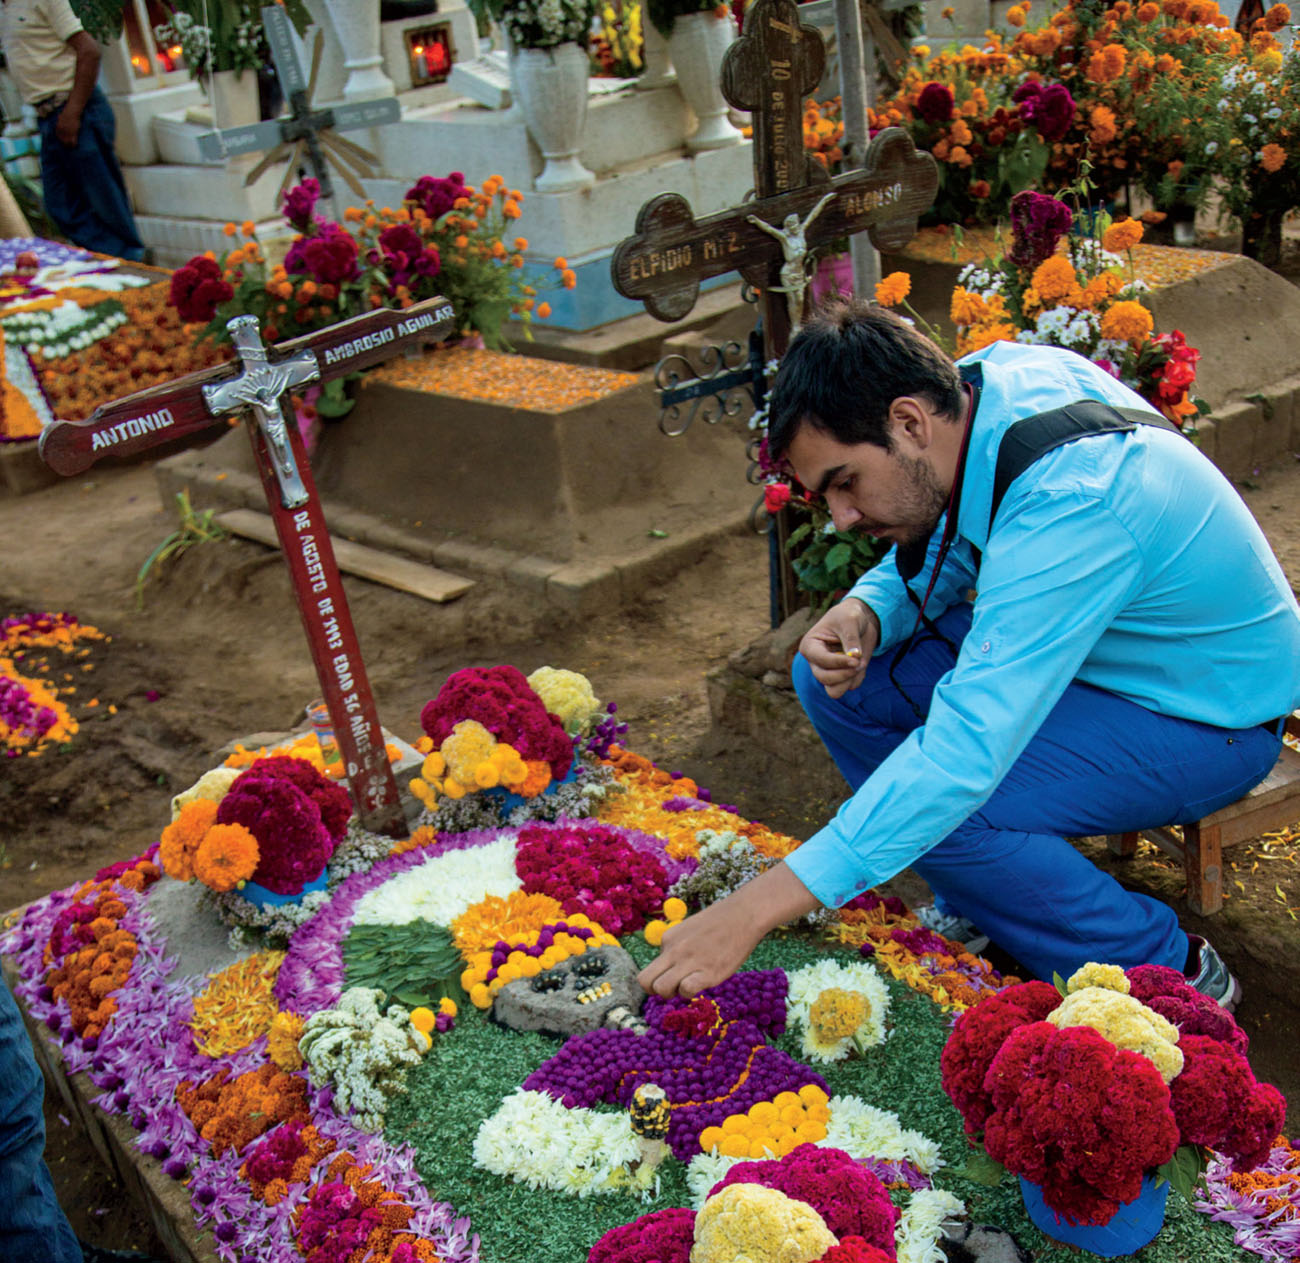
468	745
759	1225
1109	977
1126	1023
568	696
282	1041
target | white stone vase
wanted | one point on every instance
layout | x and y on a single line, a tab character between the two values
658	67
356	25
696	47
232	96
550	85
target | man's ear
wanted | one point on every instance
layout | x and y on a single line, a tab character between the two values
911	424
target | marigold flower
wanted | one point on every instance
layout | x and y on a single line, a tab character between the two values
511	209
966	308
1277	17
227	855
1016	15
1122	235
229	229
1272	157
1055	278
1128	321
893	289
248	228
543	310
1102	119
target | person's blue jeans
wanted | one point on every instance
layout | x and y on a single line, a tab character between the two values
32	1224
85	194
1099	764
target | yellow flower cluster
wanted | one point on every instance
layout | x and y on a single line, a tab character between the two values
759	1225
1126	1023
1109	977
470	759
424	1019
674	911
568	696
772	1128
522	964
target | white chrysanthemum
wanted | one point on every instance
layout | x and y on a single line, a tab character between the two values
837	1007
704	1171
443	887
917	1231
866	1131
534	1139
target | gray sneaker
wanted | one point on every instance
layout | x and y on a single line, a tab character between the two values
1212	977
950	925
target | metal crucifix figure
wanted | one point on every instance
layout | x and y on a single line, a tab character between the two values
796	270
258	387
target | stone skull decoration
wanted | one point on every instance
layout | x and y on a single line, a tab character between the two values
594	989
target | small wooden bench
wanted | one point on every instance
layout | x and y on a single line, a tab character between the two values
1272	804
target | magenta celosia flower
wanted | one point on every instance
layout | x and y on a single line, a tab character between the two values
935	103
299	203
1168	993
436	195
405	257
1050	108
293	843
500	699
841	1190
329	257
666	1236
1038	222
198	289
333	801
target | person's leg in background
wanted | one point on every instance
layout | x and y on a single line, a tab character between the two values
32	1224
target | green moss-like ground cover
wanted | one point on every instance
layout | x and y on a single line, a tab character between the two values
468	1073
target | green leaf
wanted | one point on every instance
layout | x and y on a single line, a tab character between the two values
1059	983
799	534
838	556
655	533
1183	1171
979	1168
333	401
1021	164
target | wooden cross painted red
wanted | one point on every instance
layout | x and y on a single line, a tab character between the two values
257	387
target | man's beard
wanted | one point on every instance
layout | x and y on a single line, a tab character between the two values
923	503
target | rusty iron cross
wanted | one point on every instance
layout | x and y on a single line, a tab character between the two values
770	71
257	386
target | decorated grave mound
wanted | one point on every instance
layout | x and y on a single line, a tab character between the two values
79	329
436	1048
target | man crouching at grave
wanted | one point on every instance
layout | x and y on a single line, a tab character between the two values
1081	630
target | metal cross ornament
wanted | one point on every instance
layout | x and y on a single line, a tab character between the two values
305	133
257	387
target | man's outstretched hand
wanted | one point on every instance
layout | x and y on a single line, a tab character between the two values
839	645
710	946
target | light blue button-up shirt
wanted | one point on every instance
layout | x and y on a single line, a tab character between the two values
1126	561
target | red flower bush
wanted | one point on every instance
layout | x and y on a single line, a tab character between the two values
501	699
666	1236
333	801
1084	1120
1079	1117
330	257
591	868
294	843
976	1038
851	1200
198	289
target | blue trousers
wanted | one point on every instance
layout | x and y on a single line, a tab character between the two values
1099	764
85	194
32	1225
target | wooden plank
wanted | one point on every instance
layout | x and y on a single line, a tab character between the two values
368	563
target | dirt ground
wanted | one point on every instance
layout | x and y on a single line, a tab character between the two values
217	652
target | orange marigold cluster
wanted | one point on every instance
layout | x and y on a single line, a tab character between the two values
88	977
231	1113
151	348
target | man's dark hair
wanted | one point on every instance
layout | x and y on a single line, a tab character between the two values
846	366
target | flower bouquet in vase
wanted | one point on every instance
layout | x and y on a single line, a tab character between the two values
266	833
1101	1092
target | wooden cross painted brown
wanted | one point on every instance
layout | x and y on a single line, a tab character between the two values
257	387
770	71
